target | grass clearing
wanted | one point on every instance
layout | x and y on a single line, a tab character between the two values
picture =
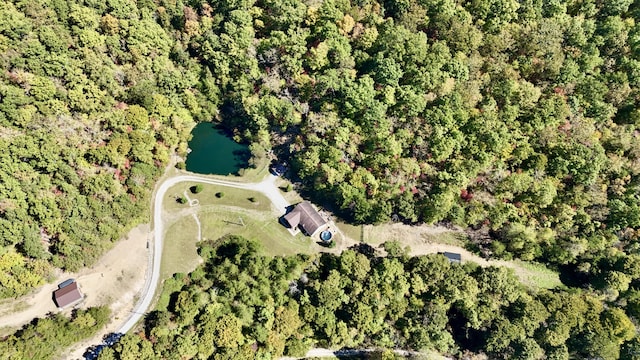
350	231
378	234
265	228
249	214
537	275
180	253
180	247
454	238
230	197
428	239
220	216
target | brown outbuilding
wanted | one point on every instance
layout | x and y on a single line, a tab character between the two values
306	217
67	295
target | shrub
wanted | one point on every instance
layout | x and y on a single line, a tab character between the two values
196	189
219	194
182	200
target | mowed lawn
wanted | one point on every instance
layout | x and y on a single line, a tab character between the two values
216	195
274	237
180	253
223	211
180	242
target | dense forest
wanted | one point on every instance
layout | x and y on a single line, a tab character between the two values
242	305
93	101
516	119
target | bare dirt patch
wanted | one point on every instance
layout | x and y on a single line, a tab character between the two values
114	280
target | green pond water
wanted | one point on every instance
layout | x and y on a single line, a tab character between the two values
213	152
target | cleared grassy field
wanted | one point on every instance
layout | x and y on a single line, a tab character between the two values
216	195
537	275
249	214
429	240
378	234
180	248
275	238
223	211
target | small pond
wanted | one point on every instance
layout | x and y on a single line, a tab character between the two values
213	152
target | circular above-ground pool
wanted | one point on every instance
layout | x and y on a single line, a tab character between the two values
326	235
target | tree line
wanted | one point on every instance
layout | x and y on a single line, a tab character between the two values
47	338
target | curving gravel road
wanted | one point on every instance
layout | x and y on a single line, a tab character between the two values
267	187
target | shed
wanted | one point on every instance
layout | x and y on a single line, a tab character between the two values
67	295
306	217
453	257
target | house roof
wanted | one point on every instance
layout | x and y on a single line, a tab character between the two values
293	218
67	295
453	257
306	217
66	283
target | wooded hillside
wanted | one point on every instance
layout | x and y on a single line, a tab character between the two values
517	119
93	102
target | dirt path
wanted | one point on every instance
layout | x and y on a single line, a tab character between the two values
425	240
15	313
195	217
437	239
116	280
111	281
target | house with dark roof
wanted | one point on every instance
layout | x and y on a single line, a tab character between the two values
67	294
305	217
